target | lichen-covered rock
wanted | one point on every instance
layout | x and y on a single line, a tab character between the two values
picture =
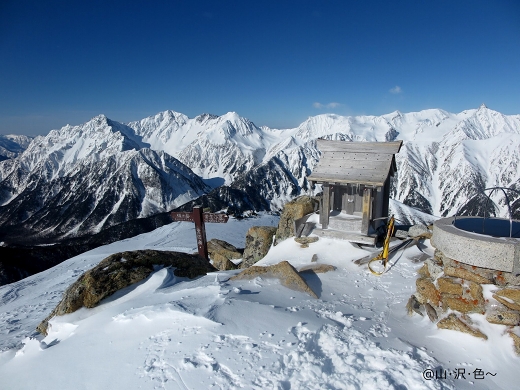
462	304
258	241
427	289
222	263
508	297
223	248
448	286
121	270
295	209
506	279
284	271
455	323
460	272
504	317
485	273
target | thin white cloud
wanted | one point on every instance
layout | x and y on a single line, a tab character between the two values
328	105
396	90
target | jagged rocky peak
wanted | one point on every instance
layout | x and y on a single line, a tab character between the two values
205	117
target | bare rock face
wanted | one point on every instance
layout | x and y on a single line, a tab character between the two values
284	271
258	241
455	323
292	210
121	270
223	248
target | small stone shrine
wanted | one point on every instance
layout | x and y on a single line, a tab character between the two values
356	188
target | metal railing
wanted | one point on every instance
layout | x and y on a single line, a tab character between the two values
483	192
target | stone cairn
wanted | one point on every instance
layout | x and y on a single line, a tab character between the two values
448	290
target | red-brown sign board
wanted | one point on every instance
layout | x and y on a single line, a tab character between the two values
215	218
182	216
207	217
200	218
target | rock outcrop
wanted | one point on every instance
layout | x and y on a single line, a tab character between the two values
222	263
258	241
224	248
121	270
222	252
283	271
295	209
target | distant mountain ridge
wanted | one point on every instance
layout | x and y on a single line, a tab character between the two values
82	179
12	145
446	158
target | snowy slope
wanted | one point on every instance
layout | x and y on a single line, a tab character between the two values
173	333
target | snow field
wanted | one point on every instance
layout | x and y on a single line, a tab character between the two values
211	333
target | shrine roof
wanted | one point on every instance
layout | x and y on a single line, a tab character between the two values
367	163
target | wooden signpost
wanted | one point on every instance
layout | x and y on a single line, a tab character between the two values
200	218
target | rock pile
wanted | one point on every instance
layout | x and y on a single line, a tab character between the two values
258	241
450	290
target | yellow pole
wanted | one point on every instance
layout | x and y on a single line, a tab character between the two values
384	253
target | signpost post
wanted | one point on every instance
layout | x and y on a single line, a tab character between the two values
200	218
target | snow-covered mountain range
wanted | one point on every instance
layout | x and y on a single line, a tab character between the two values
82	179
12	145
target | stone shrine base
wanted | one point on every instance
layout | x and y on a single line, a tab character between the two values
448	290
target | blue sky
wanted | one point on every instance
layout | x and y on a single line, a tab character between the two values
274	62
